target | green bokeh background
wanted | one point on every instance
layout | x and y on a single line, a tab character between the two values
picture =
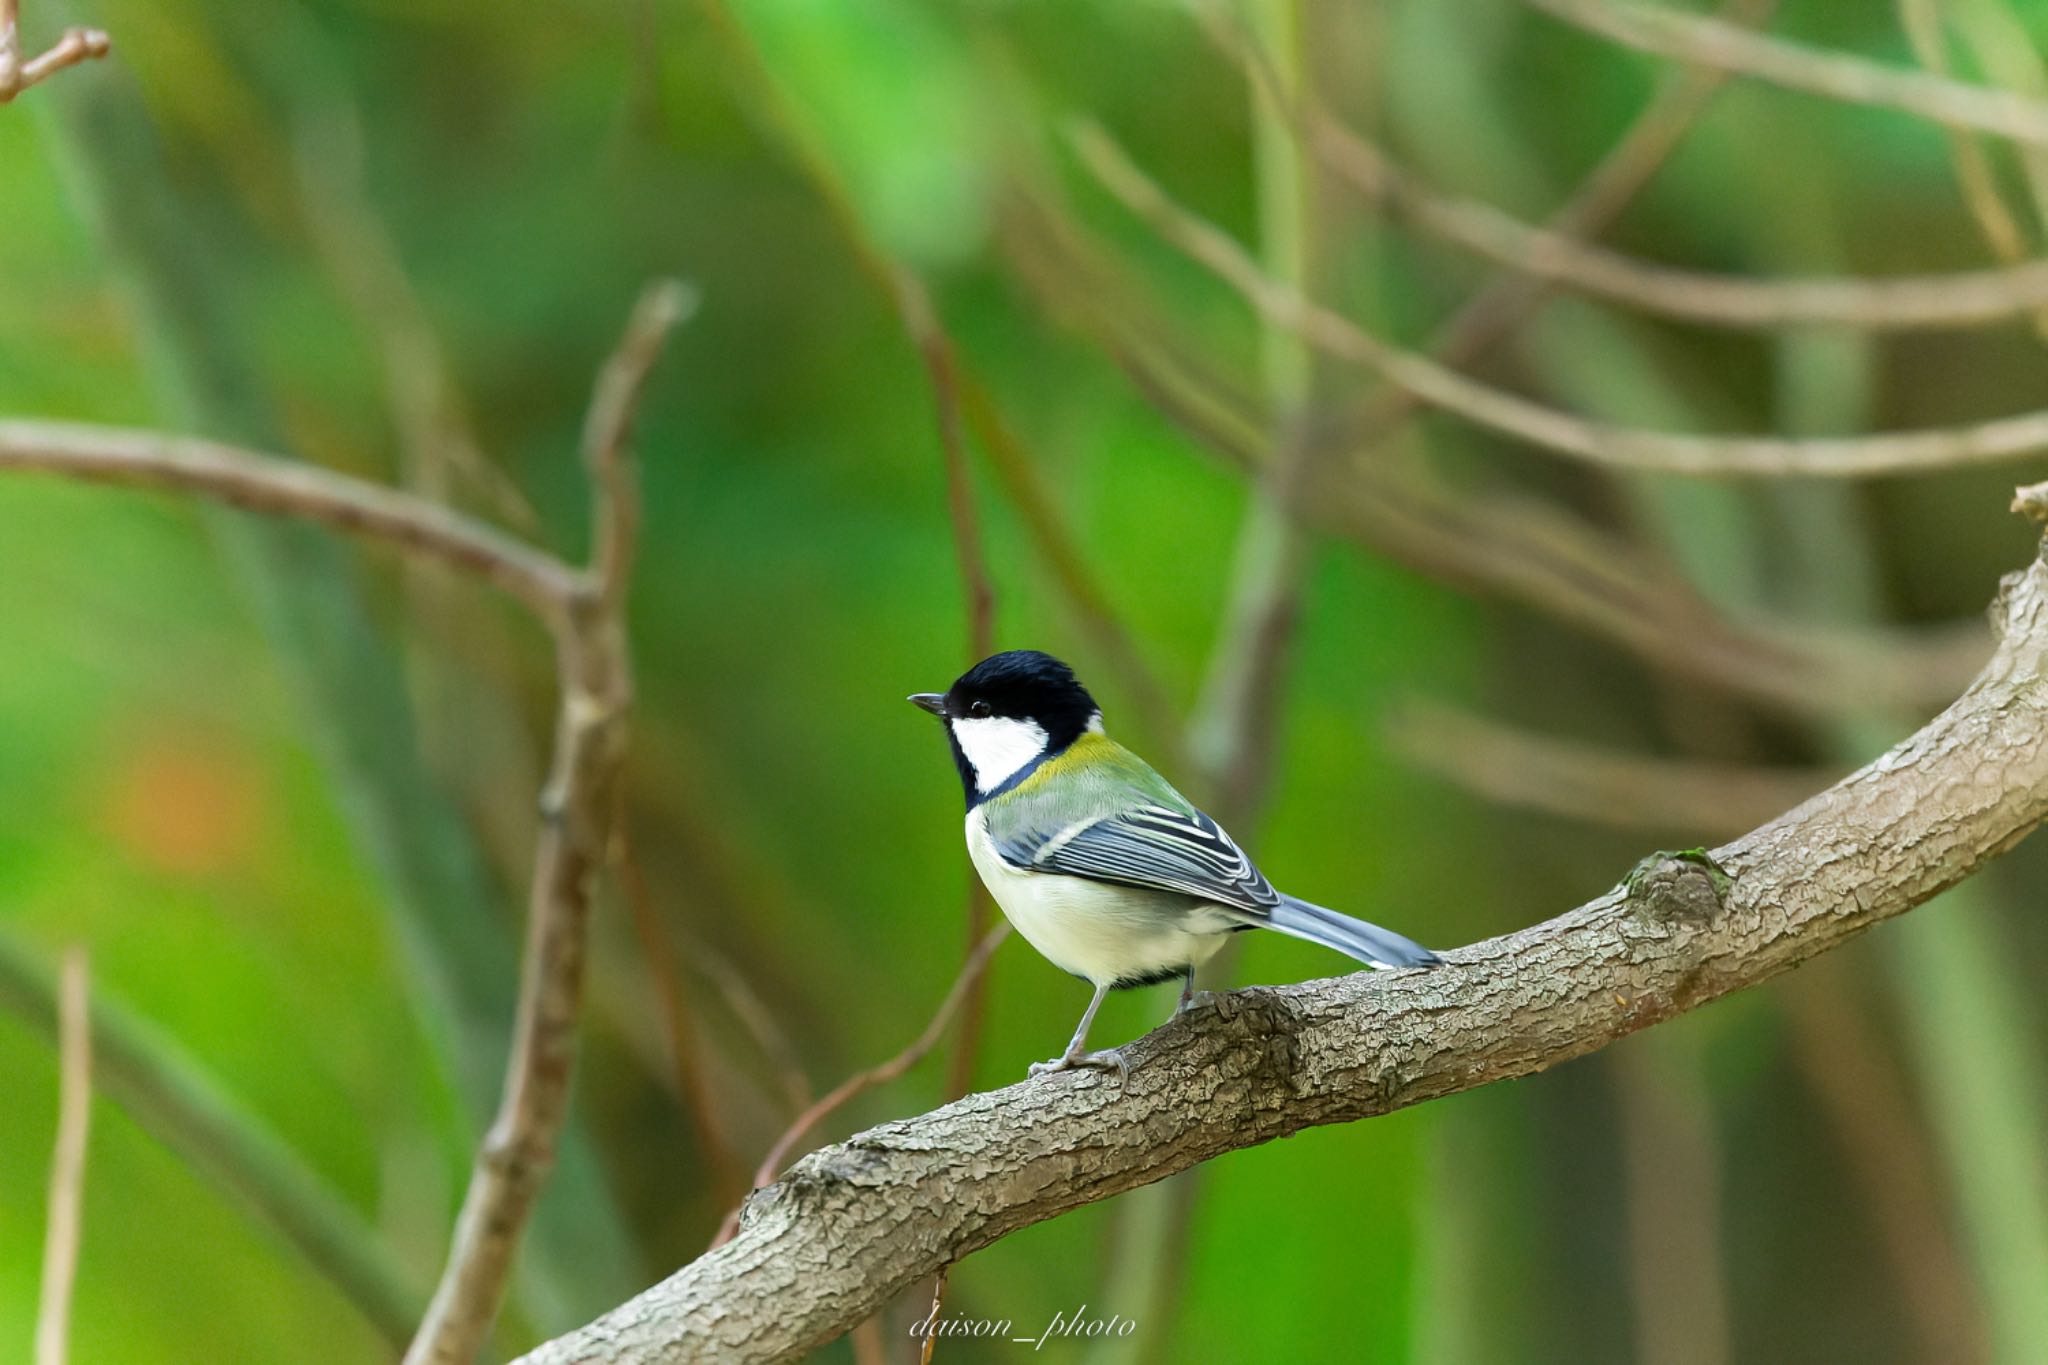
325	922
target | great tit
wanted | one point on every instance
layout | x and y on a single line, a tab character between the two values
1107	870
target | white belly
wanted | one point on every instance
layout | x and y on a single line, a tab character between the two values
1096	930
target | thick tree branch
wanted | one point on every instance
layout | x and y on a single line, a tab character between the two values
851	1225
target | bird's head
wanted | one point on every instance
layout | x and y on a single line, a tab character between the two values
1008	712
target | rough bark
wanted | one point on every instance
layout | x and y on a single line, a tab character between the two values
852	1225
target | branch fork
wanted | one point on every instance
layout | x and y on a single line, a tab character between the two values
74	46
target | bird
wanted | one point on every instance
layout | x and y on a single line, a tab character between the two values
1103	867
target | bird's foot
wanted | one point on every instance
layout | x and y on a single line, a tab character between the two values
1190	999
1108	1059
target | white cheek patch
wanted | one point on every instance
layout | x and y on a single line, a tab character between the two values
997	746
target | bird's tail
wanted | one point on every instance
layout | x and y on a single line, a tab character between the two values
1370	944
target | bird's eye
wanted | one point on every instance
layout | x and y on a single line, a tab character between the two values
980	710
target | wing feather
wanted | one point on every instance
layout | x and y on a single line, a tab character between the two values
1154	847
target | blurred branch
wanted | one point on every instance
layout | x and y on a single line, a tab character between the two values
1014	466
67	1163
1975	177
583	609
1023	479
868	1218
1834	75
1961	299
1230	733
1671	1170
1512	415
693	1091
1864	1099
579	810
433	424
287	488
942	367
1512	767
75	45
1559	256
860	1082
1236	722
171	1098
1681	97
1504	546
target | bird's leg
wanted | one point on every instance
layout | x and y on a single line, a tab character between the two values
1189	996
1076	1053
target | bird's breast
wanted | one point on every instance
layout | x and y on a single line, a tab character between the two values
1100	931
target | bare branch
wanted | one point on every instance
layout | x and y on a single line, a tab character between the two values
693	1091
1512	415
977	589
1975	177
288	488
1580	782
67	1165
1963	299
74	46
615	510
850	1226
860	1082
1712	42
579	814
1857	1085
1509	547
174	1100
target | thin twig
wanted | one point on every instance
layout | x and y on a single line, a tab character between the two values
615	511
863	1081
1961	299
1505	546
931	1317
1612	185
74	46
1671	1167
1856	1083
171	1097
1023	479
1975	178
942	367
693	1091
579	812
1020	476
279	487
67	1165
1512	415
1835	75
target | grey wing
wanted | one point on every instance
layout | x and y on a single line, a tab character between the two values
1151	846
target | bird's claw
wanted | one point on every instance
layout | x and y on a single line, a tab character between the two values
1109	1059
1193	1000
